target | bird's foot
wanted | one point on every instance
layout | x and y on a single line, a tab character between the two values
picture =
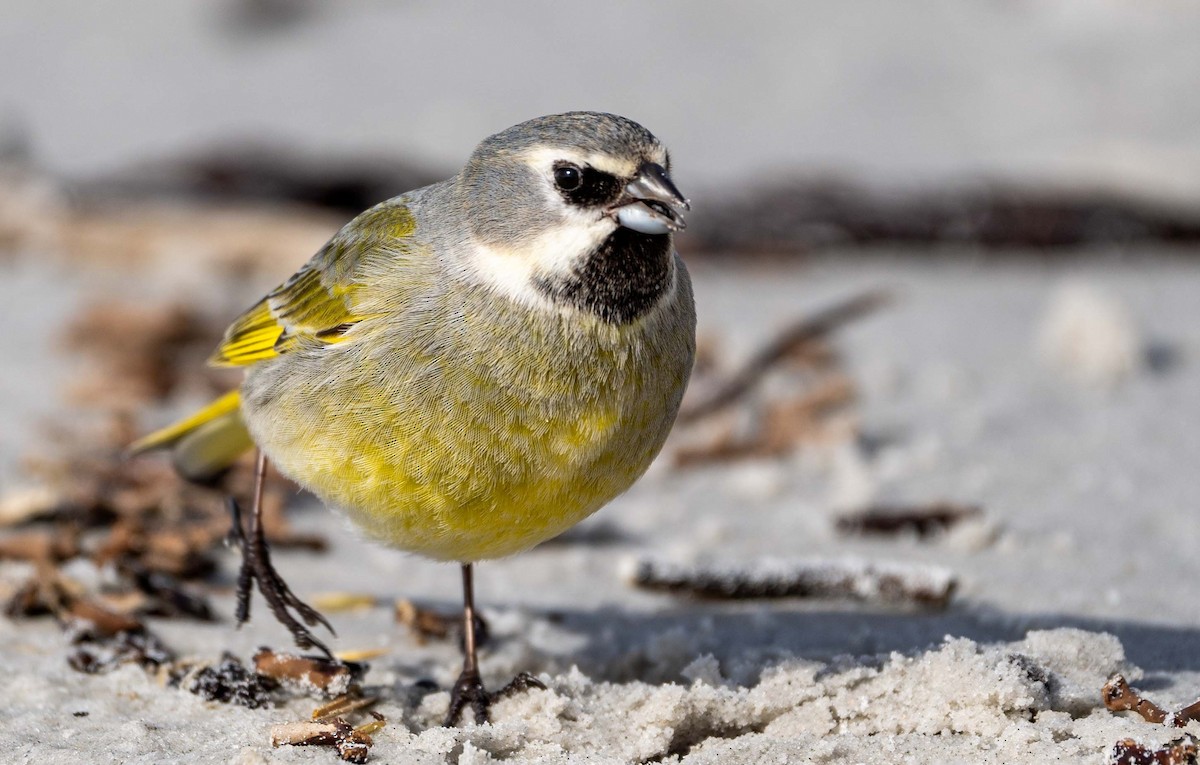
468	691
257	567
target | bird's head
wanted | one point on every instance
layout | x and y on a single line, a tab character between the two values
573	197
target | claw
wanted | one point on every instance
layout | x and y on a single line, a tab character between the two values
256	566
469	691
520	683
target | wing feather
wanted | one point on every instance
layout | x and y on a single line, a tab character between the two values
318	304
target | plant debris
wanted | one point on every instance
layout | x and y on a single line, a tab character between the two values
924	521
343	705
801	214
336	602
140	647
328	727
88	620
352	744
230	681
140	354
166	595
1181	751
160	535
25	504
426	624
792	391
88	225
310	674
104	638
255	172
52	545
800	578
808	417
793	342
43	593
1120	697
360	655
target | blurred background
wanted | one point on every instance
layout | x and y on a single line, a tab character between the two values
1078	96
1001	197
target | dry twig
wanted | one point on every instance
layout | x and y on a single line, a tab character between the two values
425	623
139	353
352	744
41	545
775	578
783	425
1120	697
329	727
311	674
924	521
1181	751
805	332
343	705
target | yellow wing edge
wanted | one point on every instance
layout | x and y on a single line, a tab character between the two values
159	439
249	339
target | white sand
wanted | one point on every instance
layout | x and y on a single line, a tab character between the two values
981	385
1084	565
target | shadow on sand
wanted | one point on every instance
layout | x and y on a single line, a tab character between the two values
624	645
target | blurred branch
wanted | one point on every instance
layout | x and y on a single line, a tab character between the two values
800	215
259	172
805	331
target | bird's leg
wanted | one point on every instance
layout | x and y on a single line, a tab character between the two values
469	690
256	566
469	687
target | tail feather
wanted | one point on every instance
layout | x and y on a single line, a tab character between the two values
204	444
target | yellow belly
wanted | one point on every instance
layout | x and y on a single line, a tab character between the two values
480	455
475	493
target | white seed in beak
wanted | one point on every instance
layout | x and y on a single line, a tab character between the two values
639	217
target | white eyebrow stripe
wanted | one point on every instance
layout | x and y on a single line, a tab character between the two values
543	158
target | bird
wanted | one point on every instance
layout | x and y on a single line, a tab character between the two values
470	368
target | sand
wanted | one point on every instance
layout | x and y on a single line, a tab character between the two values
1081	565
1062	398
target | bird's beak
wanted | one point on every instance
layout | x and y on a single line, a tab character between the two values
651	204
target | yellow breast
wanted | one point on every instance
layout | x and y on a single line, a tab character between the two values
476	434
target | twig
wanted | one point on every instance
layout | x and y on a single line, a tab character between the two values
924	520
425	623
1120	697
352	743
806	331
780	578
312	674
328	727
343	705
784	425
1181	751
41	545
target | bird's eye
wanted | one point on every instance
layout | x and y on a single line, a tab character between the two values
568	177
